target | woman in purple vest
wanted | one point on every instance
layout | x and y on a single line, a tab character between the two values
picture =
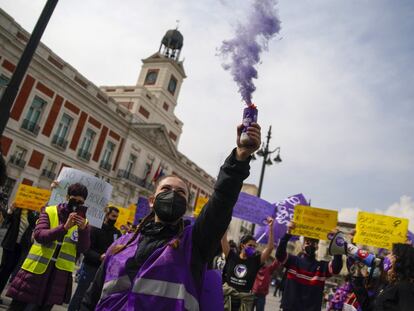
162	265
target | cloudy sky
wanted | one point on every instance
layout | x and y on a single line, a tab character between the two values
336	85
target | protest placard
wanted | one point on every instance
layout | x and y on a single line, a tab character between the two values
251	208
143	209
31	197
313	222
99	193
132	210
201	201
380	230
123	216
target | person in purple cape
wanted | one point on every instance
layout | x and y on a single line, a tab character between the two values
162	266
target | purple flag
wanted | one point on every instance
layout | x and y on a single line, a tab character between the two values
284	214
251	208
410	237
143	209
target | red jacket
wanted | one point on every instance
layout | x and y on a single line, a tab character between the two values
263	278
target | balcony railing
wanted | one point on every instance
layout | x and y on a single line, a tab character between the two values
59	142
105	166
84	155
30	126
17	161
131	177
48	174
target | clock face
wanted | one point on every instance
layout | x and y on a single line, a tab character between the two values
172	85
151	77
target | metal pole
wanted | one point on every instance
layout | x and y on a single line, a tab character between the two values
265	154
10	93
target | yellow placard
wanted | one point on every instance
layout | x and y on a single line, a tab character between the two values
132	210
380	230
201	201
313	222
31	197
122	217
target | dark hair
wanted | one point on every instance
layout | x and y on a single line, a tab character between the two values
404	263
78	190
112	209
246	238
311	240
159	180
3	170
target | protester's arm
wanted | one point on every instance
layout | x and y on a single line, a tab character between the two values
270	243
93	294
215	217
281	254
42	232
335	266
358	287
225	246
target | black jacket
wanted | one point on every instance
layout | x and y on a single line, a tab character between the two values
13	223
101	239
208	229
393	297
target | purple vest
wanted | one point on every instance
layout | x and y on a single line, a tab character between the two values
164	282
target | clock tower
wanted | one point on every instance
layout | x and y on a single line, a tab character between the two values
163	73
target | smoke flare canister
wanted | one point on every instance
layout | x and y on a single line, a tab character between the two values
249	117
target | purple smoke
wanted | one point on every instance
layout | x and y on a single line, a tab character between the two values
251	39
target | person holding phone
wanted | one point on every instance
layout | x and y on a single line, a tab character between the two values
45	278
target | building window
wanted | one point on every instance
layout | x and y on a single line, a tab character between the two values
30	123
4	81
8	187
18	157
49	170
144	112
131	164
165	106
106	159
59	138
173	136
172	85
151	77
84	151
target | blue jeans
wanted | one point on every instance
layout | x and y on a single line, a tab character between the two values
259	302
86	276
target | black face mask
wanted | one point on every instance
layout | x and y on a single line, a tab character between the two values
169	206
72	204
111	222
310	250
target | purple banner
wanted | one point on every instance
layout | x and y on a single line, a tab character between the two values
410	237
143	209
251	208
284	214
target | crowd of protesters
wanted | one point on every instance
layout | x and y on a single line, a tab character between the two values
166	263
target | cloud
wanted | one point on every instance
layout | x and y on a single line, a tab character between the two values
404	209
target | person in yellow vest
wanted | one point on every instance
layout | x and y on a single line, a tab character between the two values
45	278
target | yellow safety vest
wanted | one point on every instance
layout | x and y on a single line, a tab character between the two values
41	254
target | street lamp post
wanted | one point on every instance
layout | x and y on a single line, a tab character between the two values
265	152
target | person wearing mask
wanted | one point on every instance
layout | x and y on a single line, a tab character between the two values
162	266
241	269
397	292
60	236
17	240
262	283
306	275
101	239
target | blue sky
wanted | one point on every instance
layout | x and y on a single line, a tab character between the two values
336	85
